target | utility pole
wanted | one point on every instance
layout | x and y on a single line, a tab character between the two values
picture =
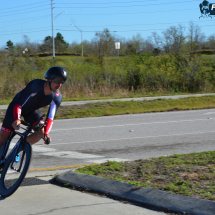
52	29
82	52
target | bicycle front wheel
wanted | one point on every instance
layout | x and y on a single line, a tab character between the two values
15	170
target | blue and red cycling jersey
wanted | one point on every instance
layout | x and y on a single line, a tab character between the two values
28	101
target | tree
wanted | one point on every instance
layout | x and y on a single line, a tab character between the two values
104	43
195	37
73	47
155	40
87	46
211	42
167	41
60	44
173	39
47	45
10	46
26	41
135	45
148	46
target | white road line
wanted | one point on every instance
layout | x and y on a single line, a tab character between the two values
135	115
64	154
144	137
95	141
144	123
44	150
73	155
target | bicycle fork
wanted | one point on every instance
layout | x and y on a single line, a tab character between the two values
17	150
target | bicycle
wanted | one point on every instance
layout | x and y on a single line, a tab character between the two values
13	169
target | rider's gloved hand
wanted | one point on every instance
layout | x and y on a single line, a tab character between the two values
47	139
16	123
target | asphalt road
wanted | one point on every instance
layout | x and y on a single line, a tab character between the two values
95	140
126	137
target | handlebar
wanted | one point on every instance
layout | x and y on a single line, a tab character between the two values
48	141
25	123
34	127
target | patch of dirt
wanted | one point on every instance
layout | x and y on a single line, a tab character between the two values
192	175
189	176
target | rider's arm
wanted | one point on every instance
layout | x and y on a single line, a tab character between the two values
51	113
50	117
20	99
49	123
17	110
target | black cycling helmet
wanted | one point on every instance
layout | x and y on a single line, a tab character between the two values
56	71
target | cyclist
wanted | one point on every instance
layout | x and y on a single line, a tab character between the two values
37	93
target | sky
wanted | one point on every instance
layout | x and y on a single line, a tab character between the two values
123	18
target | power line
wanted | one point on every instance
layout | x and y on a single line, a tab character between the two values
26	29
98	31
116	2
24	19
107	2
135	30
23	9
25	12
25	5
110	14
113	25
135	5
26	22
33	32
26	32
170	23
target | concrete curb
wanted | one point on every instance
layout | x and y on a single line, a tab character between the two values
147	196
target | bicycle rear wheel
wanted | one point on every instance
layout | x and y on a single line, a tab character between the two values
14	172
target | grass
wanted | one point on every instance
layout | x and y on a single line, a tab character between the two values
134	107
66	184
127	95
117	96
5	102
189	174
134	75
131	107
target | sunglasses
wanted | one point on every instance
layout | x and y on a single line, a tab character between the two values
58	81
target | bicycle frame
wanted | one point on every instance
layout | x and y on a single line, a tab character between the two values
22	139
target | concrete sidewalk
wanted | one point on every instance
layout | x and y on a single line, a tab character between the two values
51	199
4	107
145	196
54	200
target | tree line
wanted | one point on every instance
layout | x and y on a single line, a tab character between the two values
175	39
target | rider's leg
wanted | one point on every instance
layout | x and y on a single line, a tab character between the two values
6	127
33	138
3	136
32	118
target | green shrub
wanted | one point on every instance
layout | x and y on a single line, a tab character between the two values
143	73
